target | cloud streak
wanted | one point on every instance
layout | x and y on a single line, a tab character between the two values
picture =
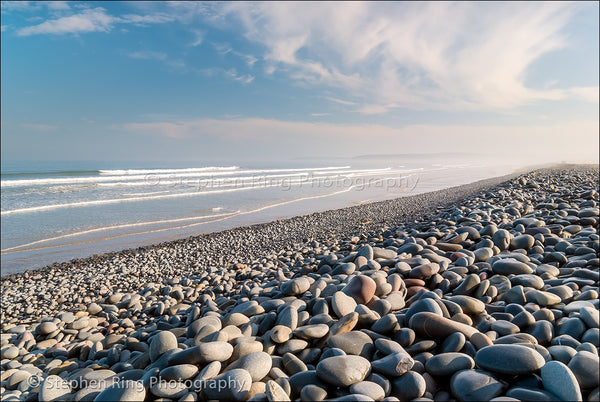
448	56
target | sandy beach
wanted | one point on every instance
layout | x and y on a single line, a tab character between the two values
481	291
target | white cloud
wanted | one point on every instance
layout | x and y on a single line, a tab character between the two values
414	55
243	78
199	38
148	55
92	20
3	28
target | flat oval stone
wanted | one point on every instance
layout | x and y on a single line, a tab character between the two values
475	385
560	380
342	304
296	286
394	365
424	271
180	372
343	371
368	388
423	305
469	305
409	386
203	354
237	381
432	325
507	266
160	343
54	388
258	364
122	391
445	364
353	343
361	288
312	331
585	366
509	359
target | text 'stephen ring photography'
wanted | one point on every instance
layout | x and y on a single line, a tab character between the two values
299	201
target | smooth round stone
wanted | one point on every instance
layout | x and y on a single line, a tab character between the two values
453	343
342	304
258	364
312	392
592	336
542	298
445	364
532	281
179	372
203	354
590	316
424	271
482	254
507	266
127	390
524	241
529	394
353	343
431	325
54	388
296	286
560	380
238	383
385	324
504	327
509	359
423	305
343	371
274	392
409	387
501	239
523	319
572	326
361	288
575	306
281	334
394	365
45	328
161	343
585	366
10	352
315	331
469	305
368	388
562	353
475	385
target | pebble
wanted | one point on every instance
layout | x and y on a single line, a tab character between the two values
509	359
445	364
492	298
560	380
54	388
475	385
343	371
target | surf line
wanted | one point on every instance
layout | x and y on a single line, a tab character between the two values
231	215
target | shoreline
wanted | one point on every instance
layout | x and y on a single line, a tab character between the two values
425	296
368	209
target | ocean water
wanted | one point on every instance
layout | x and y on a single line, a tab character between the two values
57	211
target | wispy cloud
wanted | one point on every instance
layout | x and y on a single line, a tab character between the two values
148	55
88	20
3	28
243	78
413	55
92	20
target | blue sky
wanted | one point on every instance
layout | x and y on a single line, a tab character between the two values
218	81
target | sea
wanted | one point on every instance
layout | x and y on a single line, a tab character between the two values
58	211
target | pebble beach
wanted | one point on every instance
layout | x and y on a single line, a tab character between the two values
487	291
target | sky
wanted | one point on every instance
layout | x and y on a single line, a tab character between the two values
226	81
